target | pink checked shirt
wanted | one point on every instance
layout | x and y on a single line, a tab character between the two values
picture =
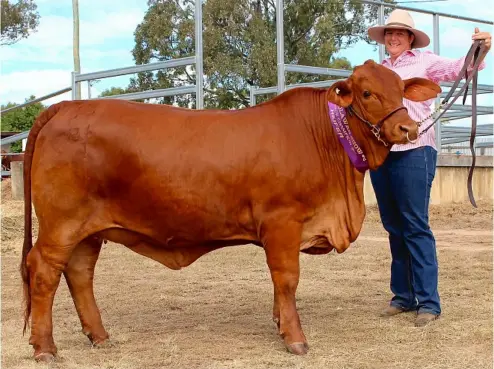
415	63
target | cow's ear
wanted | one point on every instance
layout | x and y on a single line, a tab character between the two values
420	89
340	93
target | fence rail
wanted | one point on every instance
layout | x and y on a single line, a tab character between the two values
27	103
172	91
135	69
449	141
149	94
14	138
317	70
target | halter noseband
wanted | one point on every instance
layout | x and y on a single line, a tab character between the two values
376	128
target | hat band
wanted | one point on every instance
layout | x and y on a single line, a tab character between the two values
398	24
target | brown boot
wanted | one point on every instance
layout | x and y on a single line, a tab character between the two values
425	318
391	310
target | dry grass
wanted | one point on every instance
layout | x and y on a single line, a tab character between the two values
216	314
6	189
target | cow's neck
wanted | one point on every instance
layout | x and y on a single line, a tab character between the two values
330	148
328	143
375	151
343	185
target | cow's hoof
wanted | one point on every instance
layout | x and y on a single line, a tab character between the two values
98	340
298	348
103	344
276	321
44	357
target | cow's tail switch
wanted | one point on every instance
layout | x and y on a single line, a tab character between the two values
38	125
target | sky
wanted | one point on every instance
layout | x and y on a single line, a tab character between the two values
43	62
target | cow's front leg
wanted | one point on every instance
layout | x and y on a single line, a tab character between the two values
282	247
276	310
79	274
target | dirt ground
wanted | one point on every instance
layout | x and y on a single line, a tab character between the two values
216	313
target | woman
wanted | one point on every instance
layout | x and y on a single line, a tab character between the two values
402	185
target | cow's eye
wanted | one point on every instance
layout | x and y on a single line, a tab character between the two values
367	94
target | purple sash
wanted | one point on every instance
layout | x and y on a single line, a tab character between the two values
338	119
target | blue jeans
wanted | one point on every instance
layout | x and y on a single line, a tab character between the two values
402	186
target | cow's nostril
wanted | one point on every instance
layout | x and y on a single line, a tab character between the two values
404	128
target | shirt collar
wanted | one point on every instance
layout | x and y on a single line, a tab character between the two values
413	52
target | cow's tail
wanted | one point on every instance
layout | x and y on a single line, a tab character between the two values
38	125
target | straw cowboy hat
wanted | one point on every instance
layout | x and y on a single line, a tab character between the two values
399	19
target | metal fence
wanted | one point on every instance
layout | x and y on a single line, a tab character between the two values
172	91
196	60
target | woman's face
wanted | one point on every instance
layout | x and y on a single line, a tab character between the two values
397	41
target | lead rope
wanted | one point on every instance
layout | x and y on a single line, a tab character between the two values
473	53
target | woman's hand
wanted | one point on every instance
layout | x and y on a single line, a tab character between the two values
486	36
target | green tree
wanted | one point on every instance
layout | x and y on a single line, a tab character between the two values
18	20
112	91
20	120
240	43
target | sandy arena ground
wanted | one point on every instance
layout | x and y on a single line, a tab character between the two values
216	314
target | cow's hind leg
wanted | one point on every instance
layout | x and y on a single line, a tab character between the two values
282	246
45	263
79	275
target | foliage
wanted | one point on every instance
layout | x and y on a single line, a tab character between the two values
18	20
239	43
20	120
113	91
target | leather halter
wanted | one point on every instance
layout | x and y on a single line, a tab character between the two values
375	128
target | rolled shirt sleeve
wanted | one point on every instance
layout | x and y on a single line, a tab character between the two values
442	69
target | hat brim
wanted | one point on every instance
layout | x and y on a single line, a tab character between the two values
377	34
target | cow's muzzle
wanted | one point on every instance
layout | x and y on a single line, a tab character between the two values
410	133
